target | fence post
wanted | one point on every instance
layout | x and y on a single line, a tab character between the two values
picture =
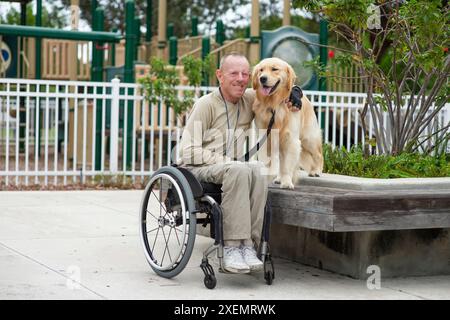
114	129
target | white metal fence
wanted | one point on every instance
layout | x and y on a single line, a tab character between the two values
83	131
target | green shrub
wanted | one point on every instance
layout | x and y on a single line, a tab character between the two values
353	162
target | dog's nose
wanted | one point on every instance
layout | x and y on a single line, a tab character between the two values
263	79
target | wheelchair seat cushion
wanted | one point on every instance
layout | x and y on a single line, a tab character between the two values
209	187
213	190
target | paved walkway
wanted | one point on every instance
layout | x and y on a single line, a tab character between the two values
48	238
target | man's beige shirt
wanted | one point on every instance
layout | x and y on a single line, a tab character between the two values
204	139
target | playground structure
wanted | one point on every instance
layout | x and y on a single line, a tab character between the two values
43	53
99	57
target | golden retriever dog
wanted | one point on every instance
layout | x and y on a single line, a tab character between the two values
299	141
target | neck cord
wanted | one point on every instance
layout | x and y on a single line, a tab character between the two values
230	139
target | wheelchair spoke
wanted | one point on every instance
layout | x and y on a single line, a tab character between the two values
151	214
160	205
181	231
156	237
153	230
176	235
166	247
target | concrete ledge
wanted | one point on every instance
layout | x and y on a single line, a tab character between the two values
338	209
345	224
357	183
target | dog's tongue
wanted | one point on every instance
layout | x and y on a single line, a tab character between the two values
265	90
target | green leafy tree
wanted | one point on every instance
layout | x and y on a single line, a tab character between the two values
179	13
161	82
52	18
401	49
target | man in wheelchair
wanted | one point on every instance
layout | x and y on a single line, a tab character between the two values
213	137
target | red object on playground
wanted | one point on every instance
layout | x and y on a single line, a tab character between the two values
331	54
104	47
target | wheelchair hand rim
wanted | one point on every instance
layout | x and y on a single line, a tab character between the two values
144	237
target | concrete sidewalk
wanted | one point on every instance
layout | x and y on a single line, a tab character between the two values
48	238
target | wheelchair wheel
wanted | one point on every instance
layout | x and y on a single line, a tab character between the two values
167	222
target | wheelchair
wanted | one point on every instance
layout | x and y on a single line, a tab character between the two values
168	219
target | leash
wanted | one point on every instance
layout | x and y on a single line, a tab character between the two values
296	99
258	145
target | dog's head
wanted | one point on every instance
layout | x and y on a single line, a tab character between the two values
273	78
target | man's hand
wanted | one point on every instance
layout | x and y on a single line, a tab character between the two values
291	107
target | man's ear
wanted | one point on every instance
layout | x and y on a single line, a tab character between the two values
291	76
219	75
255	77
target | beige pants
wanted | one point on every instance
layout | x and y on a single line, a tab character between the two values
244	195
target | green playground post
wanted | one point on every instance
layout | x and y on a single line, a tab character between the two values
206	48
97	52
22	118
220	37
130	46
137	32
148	21
323	51
94	4
173	50
38	44
38	70
97	75
194	26
323	54
220	32
130	40
170	30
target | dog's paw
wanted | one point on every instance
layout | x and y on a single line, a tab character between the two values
286	183
314	175
277	180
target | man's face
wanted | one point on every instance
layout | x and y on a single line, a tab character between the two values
234	77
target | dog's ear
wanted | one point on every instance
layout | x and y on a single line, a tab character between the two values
291	76
255	77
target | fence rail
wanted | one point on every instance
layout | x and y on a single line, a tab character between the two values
64	132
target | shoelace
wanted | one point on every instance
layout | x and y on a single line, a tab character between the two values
231	250
248	252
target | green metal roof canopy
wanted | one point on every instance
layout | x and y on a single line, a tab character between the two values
42	32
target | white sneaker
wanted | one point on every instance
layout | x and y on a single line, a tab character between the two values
249	254
233	261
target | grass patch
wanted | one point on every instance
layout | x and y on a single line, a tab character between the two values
354	162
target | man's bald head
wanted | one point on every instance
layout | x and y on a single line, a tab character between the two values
226	59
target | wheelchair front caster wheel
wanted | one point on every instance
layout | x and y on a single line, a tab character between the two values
269	271
210	281
268	276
